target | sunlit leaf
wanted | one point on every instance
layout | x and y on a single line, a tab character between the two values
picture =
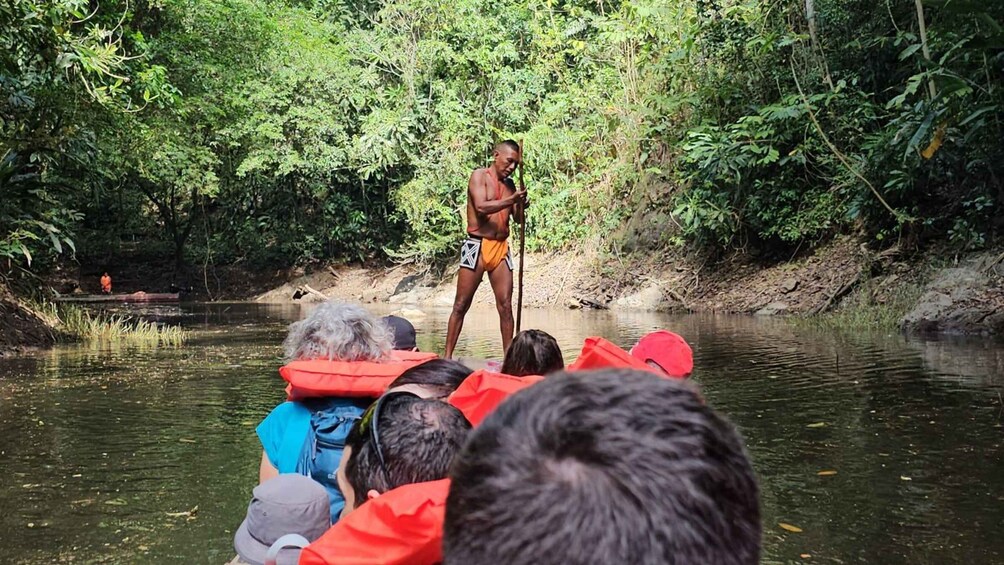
26	253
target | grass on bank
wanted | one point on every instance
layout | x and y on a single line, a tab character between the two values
74	323
862	312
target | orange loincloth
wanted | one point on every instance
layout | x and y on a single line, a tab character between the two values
493	253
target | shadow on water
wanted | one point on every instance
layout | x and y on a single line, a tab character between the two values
148	455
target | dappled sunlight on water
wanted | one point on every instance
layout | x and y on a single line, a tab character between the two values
125	454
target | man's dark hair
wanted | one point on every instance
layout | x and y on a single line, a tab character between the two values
403	332
533	352
612	466
442	376
507	143
419	439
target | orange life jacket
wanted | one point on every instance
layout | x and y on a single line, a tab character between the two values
598	353
403	526
483	391
321	377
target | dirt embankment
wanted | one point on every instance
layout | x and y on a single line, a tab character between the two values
583	280
842	271
20	327
549	280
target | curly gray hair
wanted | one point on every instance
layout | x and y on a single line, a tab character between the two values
340	332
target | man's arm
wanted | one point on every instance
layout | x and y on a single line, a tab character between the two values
480	195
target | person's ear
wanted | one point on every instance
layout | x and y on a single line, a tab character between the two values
371	494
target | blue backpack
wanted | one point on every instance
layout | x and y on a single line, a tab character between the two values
330	422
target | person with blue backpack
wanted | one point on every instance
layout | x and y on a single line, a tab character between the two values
339	359
306	436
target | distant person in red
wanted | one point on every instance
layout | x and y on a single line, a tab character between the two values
106	284
667	352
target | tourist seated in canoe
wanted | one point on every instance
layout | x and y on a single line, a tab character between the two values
393	474
661	352
286	514
666	352
533	352
614	466
340	360
404	335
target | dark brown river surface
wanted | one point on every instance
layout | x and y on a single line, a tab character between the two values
129	455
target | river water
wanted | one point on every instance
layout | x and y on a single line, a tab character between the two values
128	455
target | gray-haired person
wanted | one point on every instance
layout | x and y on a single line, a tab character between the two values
339	331
307	436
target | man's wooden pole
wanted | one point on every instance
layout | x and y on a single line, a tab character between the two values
522	245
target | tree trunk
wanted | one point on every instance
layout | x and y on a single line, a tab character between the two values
817	47
922	23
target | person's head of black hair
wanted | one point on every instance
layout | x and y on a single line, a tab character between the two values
510	144
533	352
403	332
418	439
439	377
612	466
505	158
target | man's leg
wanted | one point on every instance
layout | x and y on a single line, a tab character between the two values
467	284
501	280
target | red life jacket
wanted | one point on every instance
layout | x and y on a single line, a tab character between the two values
598	353
483	391
321	377
403	526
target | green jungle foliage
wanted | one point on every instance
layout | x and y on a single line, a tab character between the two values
279	133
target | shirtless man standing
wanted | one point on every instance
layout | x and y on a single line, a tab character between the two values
491	199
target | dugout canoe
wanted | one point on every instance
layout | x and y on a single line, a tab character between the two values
134	297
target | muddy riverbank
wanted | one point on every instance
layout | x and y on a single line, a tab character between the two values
931	293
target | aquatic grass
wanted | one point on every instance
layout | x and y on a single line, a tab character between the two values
860	317
74	323
860	312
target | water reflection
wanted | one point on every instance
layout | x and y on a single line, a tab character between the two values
108	450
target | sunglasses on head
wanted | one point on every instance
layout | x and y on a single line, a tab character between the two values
369	424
